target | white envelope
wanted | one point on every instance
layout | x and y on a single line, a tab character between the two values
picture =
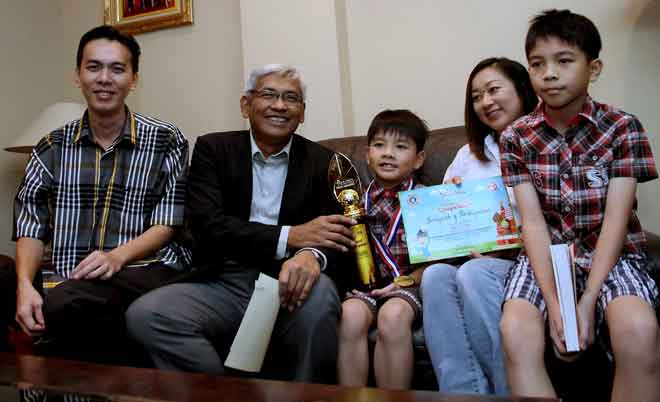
248	350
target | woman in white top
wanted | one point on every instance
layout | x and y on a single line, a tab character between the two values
465	301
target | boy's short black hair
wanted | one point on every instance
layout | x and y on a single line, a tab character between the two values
401	122
111	34
574	29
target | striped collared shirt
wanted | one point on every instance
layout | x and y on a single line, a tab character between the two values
83	198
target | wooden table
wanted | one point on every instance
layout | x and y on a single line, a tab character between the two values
177	386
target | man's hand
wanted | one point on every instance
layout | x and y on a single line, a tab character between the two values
586	310
297	277
99	264
28	310
330	231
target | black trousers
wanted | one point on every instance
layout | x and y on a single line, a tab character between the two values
85	318
7	299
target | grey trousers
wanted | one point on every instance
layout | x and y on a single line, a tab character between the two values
190	327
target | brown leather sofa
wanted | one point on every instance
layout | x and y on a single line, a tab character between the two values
440	149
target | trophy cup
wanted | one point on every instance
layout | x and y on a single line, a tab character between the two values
344	182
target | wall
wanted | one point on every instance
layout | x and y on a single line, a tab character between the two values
302	33
640	83
30	67
190	75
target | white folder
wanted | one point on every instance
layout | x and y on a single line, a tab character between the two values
564	272
248	350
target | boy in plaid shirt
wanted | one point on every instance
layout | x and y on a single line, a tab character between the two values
574	165
395	151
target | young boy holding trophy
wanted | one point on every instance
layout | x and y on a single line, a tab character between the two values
395	151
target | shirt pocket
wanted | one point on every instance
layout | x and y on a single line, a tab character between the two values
591	175
544	174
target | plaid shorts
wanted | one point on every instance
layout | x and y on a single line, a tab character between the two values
628	277
410	295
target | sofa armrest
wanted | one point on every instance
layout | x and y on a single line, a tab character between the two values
6	262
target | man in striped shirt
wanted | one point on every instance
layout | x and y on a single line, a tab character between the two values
107	193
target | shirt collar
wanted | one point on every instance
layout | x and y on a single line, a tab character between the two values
128	131
257	154
376	191
589	112
491	146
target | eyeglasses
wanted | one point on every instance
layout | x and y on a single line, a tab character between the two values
290	98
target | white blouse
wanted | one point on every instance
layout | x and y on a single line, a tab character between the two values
468	167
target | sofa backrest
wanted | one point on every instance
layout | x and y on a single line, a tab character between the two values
441	147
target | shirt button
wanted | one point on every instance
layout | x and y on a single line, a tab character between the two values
565	175
567	209
594	158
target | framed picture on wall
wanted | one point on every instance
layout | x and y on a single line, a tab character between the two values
137	16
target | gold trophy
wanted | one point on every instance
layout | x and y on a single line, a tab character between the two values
345	184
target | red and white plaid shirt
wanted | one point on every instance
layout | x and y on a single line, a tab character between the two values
571	172
384	204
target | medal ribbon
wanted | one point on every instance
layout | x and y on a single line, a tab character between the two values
383	250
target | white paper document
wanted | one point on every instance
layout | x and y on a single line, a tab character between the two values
562	266
248	350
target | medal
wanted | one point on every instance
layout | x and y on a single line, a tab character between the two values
404	281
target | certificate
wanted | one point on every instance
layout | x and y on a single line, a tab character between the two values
450	220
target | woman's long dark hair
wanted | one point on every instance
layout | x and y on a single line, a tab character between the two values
516	72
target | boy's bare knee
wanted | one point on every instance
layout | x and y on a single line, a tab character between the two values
523	333
634	332
355	320
635	341
394	321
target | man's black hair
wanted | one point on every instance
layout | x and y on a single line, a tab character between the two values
111	34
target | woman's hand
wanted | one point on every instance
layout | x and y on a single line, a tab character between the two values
476	254
510	254
454	180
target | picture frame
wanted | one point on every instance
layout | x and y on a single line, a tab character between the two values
139	16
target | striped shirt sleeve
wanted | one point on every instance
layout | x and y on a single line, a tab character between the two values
170	209
31	212
632	151
514	169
